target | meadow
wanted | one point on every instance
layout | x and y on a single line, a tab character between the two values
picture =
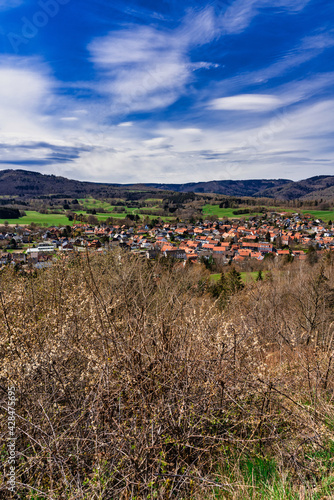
324	215
51	219
227	213
40	219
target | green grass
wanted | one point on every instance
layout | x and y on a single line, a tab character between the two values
48	220
14	250
41	219
246	277
110	210
324	215
261	479
223	213
90	203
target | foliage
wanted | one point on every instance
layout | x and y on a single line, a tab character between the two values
132	383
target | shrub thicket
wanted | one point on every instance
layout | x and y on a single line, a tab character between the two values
133	382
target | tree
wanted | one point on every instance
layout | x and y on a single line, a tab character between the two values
219	287
92	220
259	276
234	281
279	242
13	243
208	262
312	256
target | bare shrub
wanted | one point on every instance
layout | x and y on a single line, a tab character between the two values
131	384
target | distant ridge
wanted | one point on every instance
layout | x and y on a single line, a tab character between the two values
252	187
321	186
27	183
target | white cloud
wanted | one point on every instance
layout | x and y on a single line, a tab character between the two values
308	49
238	16
69	119
143	68
247	102
10	4
23	104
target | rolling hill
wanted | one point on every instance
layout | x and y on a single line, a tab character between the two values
27	183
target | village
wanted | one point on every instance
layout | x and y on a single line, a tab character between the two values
238	241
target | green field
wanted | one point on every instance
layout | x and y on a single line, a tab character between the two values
227	213
246	277
41	219
62	220
324	215
90	203
221	213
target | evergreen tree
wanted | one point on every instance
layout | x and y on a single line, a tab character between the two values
259	276
234	281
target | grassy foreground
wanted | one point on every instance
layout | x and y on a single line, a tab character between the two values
131	382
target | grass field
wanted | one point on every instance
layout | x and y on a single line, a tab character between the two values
222	213
48	220
324	215
246	277
41	219
90	203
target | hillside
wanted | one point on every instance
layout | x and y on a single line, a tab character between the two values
314	187
26	183
252	187
283	189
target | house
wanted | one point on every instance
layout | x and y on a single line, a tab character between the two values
175	254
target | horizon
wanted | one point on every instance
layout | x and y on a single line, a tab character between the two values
162	183
173	93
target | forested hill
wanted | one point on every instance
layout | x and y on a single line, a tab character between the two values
315	187
26	183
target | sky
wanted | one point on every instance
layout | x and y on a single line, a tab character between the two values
172	91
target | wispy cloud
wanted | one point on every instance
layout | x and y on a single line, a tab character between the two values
247	102
143	68
10	4
238	16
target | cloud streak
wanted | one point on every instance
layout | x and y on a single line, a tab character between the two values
247	102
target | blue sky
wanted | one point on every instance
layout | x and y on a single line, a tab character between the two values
169	91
